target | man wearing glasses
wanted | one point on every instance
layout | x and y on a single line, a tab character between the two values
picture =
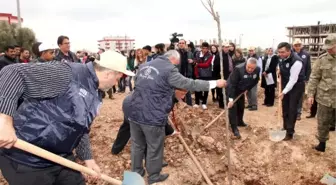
64	54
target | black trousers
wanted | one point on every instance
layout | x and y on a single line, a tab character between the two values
124	135
290	105
201	96
219	92
269	95
313	108
236	113
17	174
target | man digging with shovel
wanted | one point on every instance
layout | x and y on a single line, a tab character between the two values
60	102
150	105
243	78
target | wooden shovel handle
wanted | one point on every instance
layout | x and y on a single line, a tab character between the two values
22	145
213	121
279	102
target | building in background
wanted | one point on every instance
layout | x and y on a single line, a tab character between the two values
312	36
11	19
117	43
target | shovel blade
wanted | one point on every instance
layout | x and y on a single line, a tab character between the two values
329	180
132	178
277	135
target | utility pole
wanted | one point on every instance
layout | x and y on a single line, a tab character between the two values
18	12
240	40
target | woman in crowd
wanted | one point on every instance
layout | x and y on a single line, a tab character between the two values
130	66
216	59
203	71
238	57
140	58
232	49
44	52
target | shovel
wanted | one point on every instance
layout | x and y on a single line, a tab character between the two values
130	178
329	180
278	135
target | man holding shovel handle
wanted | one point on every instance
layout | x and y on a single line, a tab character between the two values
60	102
243	78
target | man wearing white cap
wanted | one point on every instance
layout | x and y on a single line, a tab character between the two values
45	52
304	55
60	102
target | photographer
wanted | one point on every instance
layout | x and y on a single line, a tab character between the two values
186	65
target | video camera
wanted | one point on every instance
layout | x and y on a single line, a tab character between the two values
174	40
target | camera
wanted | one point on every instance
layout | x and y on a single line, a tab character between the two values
174	40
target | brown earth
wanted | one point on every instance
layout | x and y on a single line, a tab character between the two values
255	159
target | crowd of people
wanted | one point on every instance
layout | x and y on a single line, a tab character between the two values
52	100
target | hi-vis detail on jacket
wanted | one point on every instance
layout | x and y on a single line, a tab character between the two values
148	72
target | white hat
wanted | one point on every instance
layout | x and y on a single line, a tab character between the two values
114	61
45	46
297	41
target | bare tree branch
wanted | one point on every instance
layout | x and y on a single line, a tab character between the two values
206	7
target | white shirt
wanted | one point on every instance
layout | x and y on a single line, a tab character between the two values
294	76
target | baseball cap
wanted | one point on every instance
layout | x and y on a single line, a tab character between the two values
114	61
330	41
297	41
46	46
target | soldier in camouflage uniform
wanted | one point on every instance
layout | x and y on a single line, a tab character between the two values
323	83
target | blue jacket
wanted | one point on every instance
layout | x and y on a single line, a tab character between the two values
57	124
305	56
151	99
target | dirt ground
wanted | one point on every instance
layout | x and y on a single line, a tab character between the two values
255	159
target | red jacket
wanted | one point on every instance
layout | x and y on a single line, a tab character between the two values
200	63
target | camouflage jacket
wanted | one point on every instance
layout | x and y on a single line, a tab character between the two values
323	81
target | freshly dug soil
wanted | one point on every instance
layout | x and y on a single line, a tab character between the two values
255	159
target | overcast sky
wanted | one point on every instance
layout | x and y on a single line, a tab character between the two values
152	21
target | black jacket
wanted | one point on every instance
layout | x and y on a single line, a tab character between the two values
241	81
237	61
216	69
59	56
271	69
5	60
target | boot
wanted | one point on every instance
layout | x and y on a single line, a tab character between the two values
161	178
164	164
320	147
332	129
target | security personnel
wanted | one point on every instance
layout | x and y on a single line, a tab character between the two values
305	56
150	105
322	82
60	102
243	78
292	83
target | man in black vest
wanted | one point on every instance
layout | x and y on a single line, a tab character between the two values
150	105
304	55
60	103
292	84
243	78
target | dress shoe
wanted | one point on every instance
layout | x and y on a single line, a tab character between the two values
289	137
249	106
242	124
298	117
164	164
332	129
236	133
269	105
161	178
253	108
320	147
